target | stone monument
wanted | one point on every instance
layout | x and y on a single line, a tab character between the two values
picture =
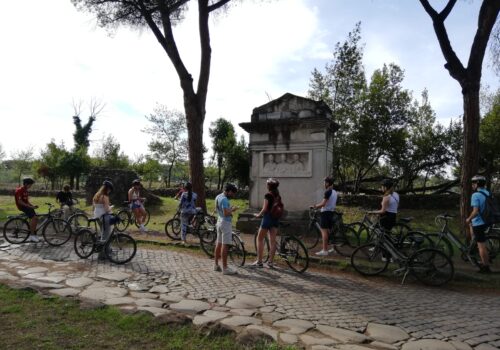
289	140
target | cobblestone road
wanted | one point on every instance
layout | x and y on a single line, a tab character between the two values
340	301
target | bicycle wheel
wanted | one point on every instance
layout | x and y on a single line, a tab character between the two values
77	221
370	259
294	253
56	232
265	256
84	243
120	248
16	230
146	219
493	247
311	237
208	240
441	243
346	241
173	229
362	231
237	253
123	220
431	267
400	229
412	241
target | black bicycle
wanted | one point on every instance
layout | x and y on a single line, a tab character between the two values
173	226
429	265
236	252
55	231
127	217
119	248
343	237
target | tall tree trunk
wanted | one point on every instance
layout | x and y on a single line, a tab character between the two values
77	181
72	181
170	173
470	159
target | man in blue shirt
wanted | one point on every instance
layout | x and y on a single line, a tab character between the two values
478	226
224	228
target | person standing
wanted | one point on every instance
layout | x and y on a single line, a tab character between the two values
224	228
137	204
268	225
187	207
103	211
476	222
327	206
65	200
24	205
390	203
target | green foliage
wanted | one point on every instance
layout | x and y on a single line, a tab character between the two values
109	155
489	139
52	163
148	168
82	132
238	163
21	162
223	141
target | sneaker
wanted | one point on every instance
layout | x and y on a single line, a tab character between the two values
322	253
270	265
143	228
257	264
184	242
331	251
229	271
217	268
33	238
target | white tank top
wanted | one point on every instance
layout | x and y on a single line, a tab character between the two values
99	210
393	203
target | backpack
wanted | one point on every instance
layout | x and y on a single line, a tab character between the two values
491	212
277	208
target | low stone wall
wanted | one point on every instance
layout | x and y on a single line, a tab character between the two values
171	192
41	193
417	201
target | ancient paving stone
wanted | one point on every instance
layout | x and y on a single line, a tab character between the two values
66	292
288	338
294	326
103	293
353	347
485	347
237	321
267	309
245	301
140	295
209	316
427	344
156	311
137	287
159	289
221	301
50	279
32	270
114	276
190	306
120	301
381	345
385	333
171	297
342	335
7	276
34	276
149	302
309	340
271	317
273	333
321	347
458	345
79	282
44	285
243	312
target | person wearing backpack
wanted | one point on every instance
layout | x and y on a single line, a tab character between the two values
224	228
476	221
187	207
326	220
271	212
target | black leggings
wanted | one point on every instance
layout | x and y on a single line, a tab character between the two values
388	220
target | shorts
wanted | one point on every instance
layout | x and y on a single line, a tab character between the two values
388	220
224	232
136	205
326	219
268	222
479	233
30	212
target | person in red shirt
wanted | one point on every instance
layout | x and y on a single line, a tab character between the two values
24	205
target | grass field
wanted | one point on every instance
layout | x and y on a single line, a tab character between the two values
32	321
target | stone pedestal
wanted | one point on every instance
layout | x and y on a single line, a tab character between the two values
289	140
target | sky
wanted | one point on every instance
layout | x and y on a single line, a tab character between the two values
54	56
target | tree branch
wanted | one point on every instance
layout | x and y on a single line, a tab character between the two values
217	5
446	11
206	53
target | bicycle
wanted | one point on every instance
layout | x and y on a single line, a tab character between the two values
119	248
343	237
446	239
429	265
173	227
289	248
55	231
127	217
236	252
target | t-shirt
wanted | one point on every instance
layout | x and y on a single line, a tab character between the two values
479	201
392	207
188	206
221	203
21	194
331	200
65	198
270	200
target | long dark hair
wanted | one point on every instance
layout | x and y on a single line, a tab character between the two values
273	188
189	187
